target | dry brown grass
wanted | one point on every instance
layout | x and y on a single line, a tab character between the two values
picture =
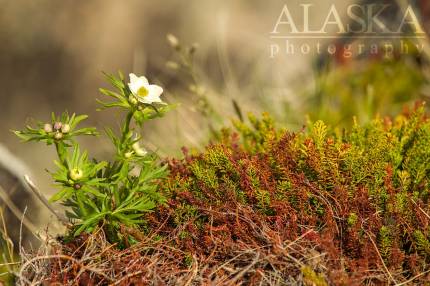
91	260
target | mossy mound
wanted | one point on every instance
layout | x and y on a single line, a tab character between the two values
266	206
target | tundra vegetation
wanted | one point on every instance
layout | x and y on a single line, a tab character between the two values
259	205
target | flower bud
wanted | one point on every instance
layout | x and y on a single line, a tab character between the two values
172	65
193	49
65	128
173	41
47	127
128	155
132	99
76	174
57	126
139	150
58	135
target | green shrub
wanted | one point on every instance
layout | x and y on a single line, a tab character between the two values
363	193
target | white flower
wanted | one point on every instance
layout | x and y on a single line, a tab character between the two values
141	152
144	92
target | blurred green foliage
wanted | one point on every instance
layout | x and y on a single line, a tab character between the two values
365	88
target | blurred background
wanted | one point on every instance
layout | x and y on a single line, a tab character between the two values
53	53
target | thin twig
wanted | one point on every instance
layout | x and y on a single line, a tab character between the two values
60	256
426	214
16	211
126	277
244	271
382	259
44	201
195	271
413	278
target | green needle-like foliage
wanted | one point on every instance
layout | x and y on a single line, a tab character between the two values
362	193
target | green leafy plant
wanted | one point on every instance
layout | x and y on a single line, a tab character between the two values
109	194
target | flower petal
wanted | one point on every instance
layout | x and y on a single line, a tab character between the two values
135	78
155	99
136	83
149	99
155	90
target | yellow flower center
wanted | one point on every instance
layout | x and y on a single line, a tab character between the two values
76	174
142	92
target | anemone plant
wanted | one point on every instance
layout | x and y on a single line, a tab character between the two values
107	194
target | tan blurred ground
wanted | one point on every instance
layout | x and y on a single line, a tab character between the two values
53	52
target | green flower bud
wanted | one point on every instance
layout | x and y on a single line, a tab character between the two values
76	174
128	155
133	100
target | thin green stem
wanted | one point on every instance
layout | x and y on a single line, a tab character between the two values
127	124
80	201
61	151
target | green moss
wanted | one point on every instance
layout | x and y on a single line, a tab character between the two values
310	277
184	212
188	260
385	240
353	188
352	219
422	243
184	235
